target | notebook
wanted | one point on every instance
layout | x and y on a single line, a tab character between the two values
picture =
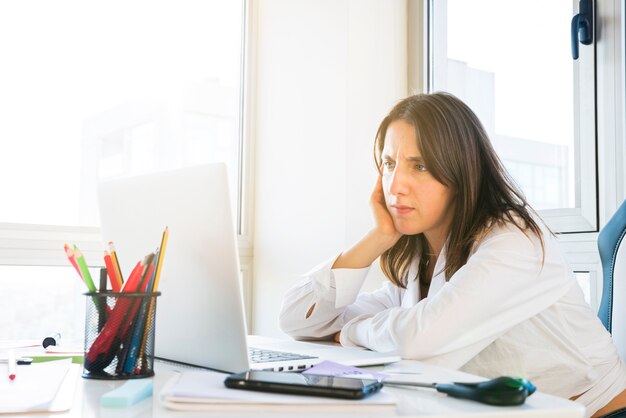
200	316
195	390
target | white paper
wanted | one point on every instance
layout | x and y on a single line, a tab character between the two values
208	387
412	371
35	386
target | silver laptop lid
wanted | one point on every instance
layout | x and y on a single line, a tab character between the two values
200	316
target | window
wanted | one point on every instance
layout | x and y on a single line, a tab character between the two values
551	118
92	91
511	62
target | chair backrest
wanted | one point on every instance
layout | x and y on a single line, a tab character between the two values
612	248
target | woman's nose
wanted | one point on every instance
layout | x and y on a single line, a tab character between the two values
397	185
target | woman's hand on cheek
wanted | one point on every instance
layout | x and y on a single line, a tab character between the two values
384	227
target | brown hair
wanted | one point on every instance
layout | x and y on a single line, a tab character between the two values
457	151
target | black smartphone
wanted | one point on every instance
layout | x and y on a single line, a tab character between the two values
303	384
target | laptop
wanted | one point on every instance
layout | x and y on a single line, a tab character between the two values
200	316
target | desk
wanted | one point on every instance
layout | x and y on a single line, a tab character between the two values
411	402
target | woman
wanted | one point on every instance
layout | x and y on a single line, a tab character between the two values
476	281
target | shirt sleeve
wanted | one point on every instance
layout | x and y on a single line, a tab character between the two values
507	280
321	303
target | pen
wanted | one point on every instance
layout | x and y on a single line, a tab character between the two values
11	364
139	318
20	361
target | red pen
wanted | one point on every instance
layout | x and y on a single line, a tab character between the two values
11	364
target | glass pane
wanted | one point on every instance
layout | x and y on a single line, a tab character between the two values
511	62
93	90
584	281
40	301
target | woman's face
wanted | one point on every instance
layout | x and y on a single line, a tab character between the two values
417	202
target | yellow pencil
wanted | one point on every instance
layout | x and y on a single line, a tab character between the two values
157	274
159	263
116	265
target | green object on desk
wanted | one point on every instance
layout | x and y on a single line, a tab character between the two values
42	359
501	391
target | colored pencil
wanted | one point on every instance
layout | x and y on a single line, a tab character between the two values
72	257
157	274
108	261
155	286
116	264
82	265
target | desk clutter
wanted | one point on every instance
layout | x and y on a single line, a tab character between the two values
205	391
209	390
120	320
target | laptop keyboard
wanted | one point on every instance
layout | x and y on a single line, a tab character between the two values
259	355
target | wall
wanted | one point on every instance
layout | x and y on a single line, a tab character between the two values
326	72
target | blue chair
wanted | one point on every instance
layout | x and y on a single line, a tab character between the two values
612	247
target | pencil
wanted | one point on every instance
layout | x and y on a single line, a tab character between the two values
82	265
157	274
155	285
116	264
108	261
72	257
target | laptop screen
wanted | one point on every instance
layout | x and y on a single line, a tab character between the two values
199	316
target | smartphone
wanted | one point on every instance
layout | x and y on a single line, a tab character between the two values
303	384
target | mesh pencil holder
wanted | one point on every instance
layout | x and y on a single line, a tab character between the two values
119	335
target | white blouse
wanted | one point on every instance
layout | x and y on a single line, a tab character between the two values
505	312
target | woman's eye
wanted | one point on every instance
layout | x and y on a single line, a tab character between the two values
388	165
420	167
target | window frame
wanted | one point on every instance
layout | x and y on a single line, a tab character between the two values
584	217
610	140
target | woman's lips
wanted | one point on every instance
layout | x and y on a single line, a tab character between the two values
401	209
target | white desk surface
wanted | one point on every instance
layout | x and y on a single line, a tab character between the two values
411	402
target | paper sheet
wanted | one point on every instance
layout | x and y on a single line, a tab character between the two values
34	388
413	371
